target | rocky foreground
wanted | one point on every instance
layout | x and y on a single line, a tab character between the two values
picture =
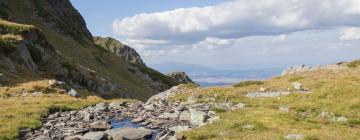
158	115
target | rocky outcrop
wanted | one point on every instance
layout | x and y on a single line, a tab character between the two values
303	68
158	114
119	49
25	46
181	77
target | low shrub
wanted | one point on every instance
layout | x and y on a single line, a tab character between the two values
248	83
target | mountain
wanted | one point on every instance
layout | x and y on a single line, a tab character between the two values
116	47
207	76
45	39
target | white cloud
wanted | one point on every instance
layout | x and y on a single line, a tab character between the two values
239	18
352	33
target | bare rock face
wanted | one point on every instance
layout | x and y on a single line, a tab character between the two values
304	68
119	49
180	77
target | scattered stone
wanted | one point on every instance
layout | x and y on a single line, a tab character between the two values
213	119
262	89
325	114
342	119
266	94
185	116
240	105
94	136
180	128
250	126
197	117
73	93
129	133
284	108
36	94
294	137
297	86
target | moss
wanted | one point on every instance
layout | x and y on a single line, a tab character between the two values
248	83
8	46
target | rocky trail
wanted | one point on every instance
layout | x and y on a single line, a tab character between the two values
158	118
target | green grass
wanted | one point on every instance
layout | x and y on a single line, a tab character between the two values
157	76
336	92
248	83
354	64
14	28
26	112
296	78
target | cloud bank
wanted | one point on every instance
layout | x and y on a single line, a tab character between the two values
238	31
239	18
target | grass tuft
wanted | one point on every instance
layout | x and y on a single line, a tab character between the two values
248	83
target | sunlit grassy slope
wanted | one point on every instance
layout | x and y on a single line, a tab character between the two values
18	112
333	91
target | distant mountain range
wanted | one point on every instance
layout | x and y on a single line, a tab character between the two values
208	76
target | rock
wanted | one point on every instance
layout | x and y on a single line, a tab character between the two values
179	128
297	86
180	77
294	137
250	126
185	116
168	116
162	96
94	136
99	126
119	49
138	120
240	105
342	119
262	89
73	93
116	105
129	133
36	94
266	94
213	119
284	108
197	117
149	107
42	137
325	114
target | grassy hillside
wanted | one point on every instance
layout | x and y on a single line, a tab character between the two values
65	30
334	91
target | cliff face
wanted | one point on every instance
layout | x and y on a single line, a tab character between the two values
119	49
60	46
180	77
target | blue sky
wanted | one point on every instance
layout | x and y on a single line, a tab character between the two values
231	34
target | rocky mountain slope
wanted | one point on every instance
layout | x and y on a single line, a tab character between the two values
49	39
181	77
119	49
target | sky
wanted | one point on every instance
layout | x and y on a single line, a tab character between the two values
231	34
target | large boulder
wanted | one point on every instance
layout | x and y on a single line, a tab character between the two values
197	117
180	77
94	136
128	133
